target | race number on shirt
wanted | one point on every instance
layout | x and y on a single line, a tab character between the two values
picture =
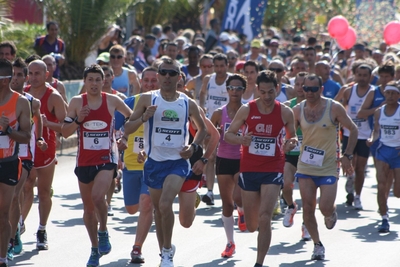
23	150
171	138
4	142
96	140
138	144
262	146
313	156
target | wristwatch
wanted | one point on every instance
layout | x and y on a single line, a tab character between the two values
349	156
204	160
9	130
195	146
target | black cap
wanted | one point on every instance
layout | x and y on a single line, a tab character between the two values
150	36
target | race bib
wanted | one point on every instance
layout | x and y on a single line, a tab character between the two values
171	138
96	140
312	156
359	122
138	144
23	150
262	146
4	142
300	140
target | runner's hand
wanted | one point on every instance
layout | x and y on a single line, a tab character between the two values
83	113
141	156
246	139
186	152
150	110
347	167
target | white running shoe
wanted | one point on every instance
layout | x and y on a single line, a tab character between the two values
350	184
305	235
289	215
318	253
167	257
357	203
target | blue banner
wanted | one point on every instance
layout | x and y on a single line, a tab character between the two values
244	16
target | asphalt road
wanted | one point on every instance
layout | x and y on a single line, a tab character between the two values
354	241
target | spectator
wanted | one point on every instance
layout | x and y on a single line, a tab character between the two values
8	50
51	44
109	39
212	35
149	44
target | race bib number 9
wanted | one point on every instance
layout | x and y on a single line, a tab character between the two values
312	156
262	146
96	140
138	144
171	138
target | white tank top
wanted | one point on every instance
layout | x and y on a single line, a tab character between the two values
390	132
282	94
353	106
217	95
167	132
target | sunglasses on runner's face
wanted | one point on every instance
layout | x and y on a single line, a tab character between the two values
312	89
171	73
116	56
235	88
277	70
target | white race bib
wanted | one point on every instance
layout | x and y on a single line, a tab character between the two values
96	140
171	138
262	146
4	142
313	156
23	150
138	144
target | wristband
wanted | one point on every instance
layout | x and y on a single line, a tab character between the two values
40	139
123	137
76	121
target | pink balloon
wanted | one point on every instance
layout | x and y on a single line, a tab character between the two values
338	26
348	40
391	33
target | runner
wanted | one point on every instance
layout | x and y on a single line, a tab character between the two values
318	161
262	159
387	125
92	115
250	70
8	50
206	68
55	83
165	115
228	162
285	91
14	130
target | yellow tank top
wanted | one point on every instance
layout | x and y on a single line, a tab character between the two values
135	144
320	147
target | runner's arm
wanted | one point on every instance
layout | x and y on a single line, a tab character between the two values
23	134
231	136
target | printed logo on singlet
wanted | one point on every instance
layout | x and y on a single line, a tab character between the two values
255	117
169	115
264	128
95	125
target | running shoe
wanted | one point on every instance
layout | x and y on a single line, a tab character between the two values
241	222
289	215
384	227
136	255
318	253
198	200
305	235
94	258
331	220
350	184
41	240
208	198
10	252
118	182
229	250
167	257
104	243
110	211
357	203
17	242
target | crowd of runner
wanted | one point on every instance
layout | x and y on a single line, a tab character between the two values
164	115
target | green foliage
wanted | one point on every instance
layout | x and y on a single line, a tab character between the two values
23	35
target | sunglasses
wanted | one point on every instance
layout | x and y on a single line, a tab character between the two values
277	70
235	88
312	89
114	56
171	73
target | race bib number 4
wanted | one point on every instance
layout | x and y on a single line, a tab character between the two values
138	144
171	138
312	156
262	146
96	140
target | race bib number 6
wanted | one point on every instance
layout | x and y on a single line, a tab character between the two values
96	140
313	156
262	146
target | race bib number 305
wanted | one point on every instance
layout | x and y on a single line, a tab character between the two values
262	146
165	137
313	156
96	140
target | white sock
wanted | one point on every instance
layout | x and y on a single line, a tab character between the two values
385	217
42	227
229	222
21	221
